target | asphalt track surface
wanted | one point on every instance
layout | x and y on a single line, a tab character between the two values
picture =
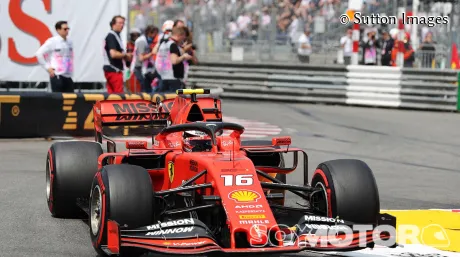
414	156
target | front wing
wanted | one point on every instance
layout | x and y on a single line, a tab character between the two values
191	236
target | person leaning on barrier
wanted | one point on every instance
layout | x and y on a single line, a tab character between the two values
144	67
115	56
169	63
56	56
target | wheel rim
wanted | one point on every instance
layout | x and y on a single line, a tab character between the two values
95	210
321	203
48	180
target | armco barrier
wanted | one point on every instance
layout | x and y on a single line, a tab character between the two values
273	82
429	89
353	85
41	114
373	85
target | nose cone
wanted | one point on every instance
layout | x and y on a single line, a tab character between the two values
248	211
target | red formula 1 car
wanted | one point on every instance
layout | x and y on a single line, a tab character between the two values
199	190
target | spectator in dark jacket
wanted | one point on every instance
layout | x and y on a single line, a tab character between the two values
387	47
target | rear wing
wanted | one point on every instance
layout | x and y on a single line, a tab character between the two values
127	113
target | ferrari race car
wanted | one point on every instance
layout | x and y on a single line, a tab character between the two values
198	188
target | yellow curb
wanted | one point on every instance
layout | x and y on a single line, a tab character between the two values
436	228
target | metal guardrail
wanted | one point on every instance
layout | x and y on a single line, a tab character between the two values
378	86
270	82
424	89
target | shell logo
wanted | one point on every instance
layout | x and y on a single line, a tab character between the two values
244	196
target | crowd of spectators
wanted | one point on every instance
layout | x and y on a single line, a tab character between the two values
245	19
289	22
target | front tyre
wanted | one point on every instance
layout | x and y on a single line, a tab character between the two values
122	193
70	168
349	191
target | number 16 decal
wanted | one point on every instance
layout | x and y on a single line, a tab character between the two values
237	180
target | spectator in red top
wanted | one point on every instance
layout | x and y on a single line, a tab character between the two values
409	57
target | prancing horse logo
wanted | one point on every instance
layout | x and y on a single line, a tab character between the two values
171	171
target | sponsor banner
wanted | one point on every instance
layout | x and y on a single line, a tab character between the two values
26	25
40	114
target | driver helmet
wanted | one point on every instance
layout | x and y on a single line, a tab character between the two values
196	141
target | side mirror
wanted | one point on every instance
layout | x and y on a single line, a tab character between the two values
279	141
136	144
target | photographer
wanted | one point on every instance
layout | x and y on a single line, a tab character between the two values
370	49
144	67
170	61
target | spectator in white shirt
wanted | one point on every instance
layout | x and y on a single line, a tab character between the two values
56	56
232	30
304	49
346	43
243	22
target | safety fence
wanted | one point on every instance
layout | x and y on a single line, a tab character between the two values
377	86
43	114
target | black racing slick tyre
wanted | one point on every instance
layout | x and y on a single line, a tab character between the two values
70	168
122	193
349	191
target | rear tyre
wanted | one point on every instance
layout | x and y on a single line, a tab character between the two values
349	191
70	168
122	193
